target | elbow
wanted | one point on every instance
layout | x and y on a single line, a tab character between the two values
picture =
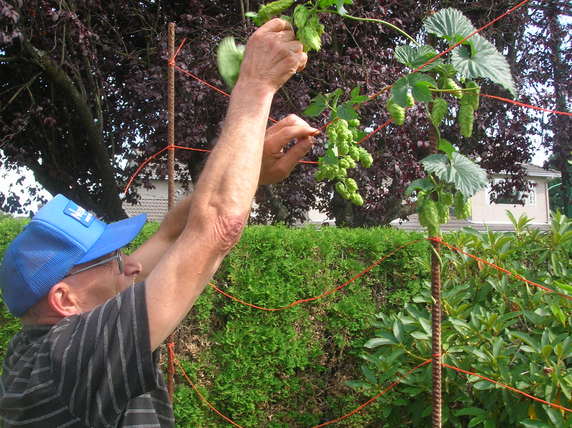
227	231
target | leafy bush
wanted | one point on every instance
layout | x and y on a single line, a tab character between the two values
494	325
9	229
287	368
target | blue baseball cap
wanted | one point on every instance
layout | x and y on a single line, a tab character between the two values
61	235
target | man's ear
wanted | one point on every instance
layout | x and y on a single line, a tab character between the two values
63	300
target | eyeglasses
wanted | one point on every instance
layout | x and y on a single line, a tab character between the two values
116	256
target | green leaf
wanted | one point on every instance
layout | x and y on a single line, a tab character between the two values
484	60
355	91
446	70
420	335
421	91
316	107
449	24
356	384
476	421
386	339
526	339
229	58
330	157
529	423
347	112
415	56
369	374
460	325
398	330
340	6
418	83
447	147
546	351
470	411
420	184
467	176
483	385
426	324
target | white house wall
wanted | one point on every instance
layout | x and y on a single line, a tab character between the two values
490	213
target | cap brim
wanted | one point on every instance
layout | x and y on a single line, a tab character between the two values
116	235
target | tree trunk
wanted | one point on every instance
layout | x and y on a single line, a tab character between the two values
110	206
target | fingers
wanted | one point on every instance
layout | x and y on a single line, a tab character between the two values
289	128
272	56
277	167
276	25
297	152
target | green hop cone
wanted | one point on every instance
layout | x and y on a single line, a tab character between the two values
354	152
354	123
439	111
396	112
332	133
466	210
351	184
270	10
472	97
453	87
343	148
443	213
462	206
429	216
320	175
446	199
342	125
344	163
341	188
301	15
366	159
466	119
356	199
409	100
310	35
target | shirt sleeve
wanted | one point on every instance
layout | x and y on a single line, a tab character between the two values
102	359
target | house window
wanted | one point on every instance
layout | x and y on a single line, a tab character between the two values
514	197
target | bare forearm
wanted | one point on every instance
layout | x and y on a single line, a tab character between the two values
230	178
223	195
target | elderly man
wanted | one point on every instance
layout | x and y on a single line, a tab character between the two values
93	317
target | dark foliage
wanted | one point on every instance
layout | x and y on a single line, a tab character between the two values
83	98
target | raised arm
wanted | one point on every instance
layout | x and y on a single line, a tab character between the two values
276	166
223	196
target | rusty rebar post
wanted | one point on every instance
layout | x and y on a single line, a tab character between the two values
171	113
436	327
171	176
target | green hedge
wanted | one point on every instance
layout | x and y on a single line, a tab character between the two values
285	368
288	368
9	229
294	368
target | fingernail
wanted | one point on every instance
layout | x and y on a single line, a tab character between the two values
316	132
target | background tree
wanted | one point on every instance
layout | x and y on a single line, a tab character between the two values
83	98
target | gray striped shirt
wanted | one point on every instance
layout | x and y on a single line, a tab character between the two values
91	370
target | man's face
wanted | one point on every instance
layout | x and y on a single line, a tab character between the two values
98	280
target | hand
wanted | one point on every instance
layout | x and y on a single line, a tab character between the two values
272	56
277	164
